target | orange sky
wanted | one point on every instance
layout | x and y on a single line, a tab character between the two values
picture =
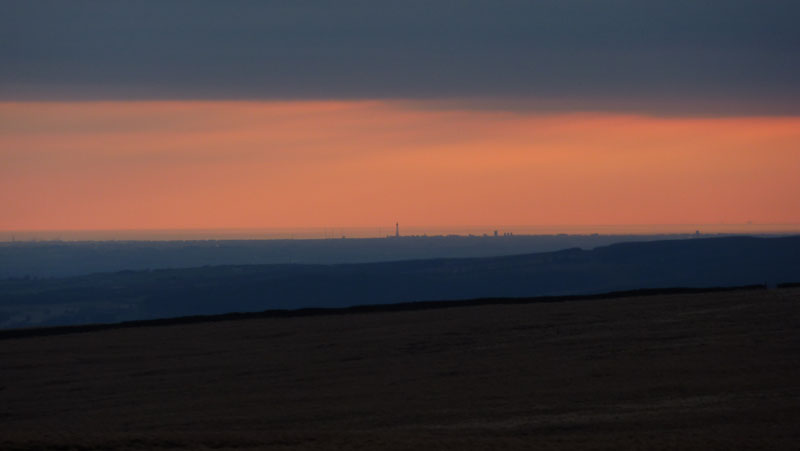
132	165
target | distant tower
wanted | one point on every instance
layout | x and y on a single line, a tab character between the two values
397	230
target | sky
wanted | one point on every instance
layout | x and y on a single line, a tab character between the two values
253	114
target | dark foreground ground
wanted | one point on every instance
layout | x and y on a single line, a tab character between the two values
682	371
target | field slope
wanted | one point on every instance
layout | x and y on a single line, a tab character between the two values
680	371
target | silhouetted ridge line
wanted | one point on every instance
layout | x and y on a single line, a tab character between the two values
368	308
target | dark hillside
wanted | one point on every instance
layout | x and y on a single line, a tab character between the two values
693	371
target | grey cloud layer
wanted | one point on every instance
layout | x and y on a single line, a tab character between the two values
659	55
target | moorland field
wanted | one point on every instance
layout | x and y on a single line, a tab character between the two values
714	370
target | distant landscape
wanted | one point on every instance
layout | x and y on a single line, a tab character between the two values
72	258
164	293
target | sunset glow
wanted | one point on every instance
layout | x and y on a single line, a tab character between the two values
167	164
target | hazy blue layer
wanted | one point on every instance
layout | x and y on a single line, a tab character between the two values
131	295
58	259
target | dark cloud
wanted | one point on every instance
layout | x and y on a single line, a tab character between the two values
701	56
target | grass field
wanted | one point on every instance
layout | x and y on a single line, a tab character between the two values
680	371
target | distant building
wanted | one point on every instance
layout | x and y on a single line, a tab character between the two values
397	230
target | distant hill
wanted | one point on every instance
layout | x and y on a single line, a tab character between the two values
75	258
132	295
